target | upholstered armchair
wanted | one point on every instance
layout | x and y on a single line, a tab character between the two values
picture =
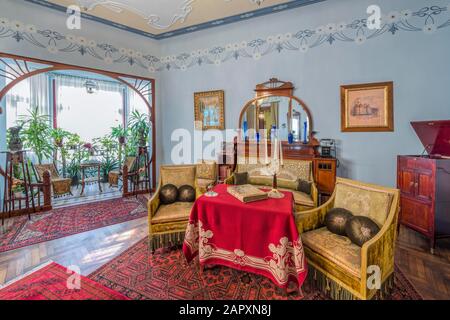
287	179
339	267
167	223
60	186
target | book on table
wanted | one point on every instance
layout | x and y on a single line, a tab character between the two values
247	193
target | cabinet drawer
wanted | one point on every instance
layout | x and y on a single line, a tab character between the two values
416	214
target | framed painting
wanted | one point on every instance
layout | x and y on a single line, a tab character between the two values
367	107
209	110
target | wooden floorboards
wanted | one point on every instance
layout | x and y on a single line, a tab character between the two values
88	250
430	274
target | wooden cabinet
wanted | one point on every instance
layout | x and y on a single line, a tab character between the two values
325	174
424	184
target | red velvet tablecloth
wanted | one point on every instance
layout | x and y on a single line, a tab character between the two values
258	237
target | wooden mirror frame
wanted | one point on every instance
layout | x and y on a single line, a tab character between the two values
277	88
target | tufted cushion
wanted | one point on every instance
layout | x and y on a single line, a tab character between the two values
338	249
186	194
260	180
207	170
363	201
240	178
303	186
178	175
336	219
268	181
174	212
168	194
361	229
291	170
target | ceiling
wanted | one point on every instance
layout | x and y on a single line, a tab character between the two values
160	19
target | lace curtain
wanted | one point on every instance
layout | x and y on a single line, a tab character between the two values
29	93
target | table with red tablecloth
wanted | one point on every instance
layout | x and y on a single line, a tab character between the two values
258	237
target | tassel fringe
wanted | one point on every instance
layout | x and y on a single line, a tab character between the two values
336	292
166	240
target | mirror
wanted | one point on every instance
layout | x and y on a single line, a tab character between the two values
286	113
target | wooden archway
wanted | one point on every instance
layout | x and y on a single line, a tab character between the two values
20	71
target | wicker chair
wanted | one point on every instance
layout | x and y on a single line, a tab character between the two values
167	223
60	186
339	267
115	176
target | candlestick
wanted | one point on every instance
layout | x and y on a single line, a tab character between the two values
266	156
281	153
275	149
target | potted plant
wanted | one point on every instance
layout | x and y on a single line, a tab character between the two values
36	133
18	190
58	136
73	171
120	133
139	126
109	155
13	137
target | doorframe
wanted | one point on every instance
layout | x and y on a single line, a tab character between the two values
53	66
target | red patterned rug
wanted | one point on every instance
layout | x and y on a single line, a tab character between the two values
50	283
62	222
139	275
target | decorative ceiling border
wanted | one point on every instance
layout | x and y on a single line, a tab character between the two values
425	20
202	26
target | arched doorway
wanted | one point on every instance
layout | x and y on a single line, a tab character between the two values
15	69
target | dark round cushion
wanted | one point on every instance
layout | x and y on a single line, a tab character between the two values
336	219
186	194
361	229
168	194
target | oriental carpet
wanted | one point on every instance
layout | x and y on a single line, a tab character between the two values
139	275
50	283
66	221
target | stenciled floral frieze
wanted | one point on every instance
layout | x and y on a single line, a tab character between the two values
427	20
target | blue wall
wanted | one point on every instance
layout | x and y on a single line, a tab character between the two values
416	62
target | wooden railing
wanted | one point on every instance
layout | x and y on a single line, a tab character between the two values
135	187
44	187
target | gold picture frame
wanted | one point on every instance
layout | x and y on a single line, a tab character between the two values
209	110
367	107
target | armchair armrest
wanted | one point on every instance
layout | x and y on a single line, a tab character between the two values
199	192
314	218
380	250
229	180
315	194
153	203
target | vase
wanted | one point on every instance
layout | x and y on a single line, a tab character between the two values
18	195
290	138
15	143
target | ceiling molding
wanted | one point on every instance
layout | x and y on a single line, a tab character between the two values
210	24
181	12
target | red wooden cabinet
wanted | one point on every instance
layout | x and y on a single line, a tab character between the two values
424	184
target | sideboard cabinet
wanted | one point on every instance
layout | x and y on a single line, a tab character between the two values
424	182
